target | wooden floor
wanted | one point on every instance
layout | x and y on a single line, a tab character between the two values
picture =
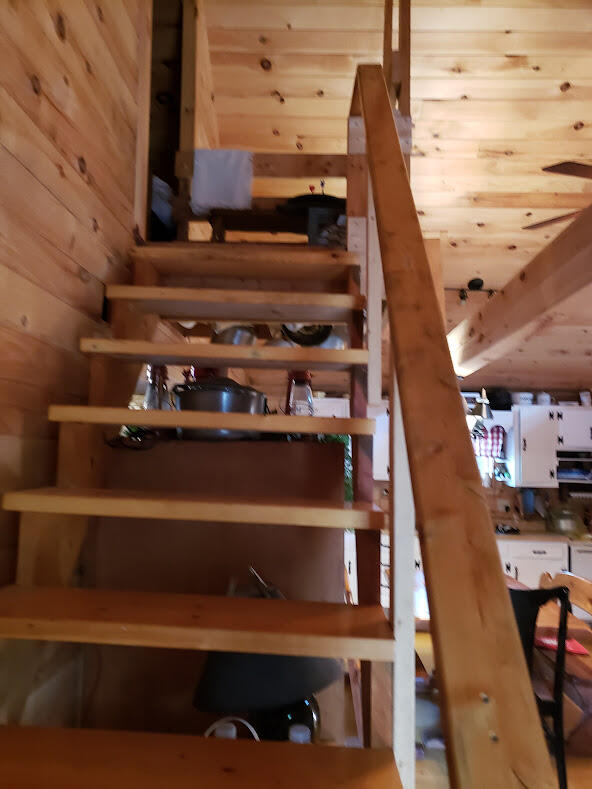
431	774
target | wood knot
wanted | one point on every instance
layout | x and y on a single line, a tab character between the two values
320	93
263	39
276	132
36	84
299	146
60	26
536	68
578	125
265	64
95	224
522	276
82	164
512	246
565	86
100	13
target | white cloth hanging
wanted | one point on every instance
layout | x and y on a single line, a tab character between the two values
222	178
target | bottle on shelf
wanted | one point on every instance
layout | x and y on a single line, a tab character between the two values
157	392
299	400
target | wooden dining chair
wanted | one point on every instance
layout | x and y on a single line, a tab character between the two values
526	604
580	589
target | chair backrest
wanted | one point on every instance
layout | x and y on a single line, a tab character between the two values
526	604
580	589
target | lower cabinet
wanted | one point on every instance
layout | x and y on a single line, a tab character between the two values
527	560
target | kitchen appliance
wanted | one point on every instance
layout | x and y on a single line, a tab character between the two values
220	395
563	520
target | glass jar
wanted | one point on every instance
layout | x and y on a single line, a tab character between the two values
299	400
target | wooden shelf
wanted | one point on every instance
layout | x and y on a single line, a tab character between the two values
253	261
182	506
200	622
214	355
244	305
264	423
94	759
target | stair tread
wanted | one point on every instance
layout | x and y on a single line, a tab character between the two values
184	506
261	261
248	305
265	423
194	621
70	758
218	355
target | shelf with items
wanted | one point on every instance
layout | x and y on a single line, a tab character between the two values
574	468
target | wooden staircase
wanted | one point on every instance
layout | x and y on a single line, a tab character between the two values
203	282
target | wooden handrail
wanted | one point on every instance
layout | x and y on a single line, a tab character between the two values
494	736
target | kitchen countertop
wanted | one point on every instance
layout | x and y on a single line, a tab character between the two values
542	537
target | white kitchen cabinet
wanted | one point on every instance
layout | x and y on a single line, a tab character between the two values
529	559
417	554
581	559
574	428
504	552
532	447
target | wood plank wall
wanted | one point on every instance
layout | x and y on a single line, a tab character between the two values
68	93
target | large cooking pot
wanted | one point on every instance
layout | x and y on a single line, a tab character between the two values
222	395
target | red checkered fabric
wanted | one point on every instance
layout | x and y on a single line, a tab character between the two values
491	444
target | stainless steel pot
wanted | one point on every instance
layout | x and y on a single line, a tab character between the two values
221	395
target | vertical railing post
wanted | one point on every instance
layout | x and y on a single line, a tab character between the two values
367	542
374	298
402	617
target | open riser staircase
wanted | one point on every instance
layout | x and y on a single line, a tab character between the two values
219	282
493	735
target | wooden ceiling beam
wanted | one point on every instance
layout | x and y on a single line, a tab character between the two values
557	272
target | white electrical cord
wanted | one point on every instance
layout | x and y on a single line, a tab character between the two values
231	719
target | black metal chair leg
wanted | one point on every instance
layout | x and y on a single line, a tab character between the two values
558	742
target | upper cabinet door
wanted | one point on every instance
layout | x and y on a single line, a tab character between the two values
574	428
537	446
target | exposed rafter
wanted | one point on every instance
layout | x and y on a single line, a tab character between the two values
557	272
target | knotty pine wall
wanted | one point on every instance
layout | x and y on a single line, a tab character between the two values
69	92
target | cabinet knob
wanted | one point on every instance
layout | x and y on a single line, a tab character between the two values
551	415
560	439
559	414
524	445
551	473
